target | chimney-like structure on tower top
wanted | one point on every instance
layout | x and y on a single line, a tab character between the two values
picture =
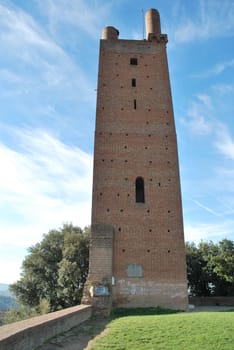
152	21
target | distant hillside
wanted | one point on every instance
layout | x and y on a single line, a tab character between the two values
4	290
7	300
7	303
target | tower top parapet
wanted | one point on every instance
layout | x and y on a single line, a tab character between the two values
153	28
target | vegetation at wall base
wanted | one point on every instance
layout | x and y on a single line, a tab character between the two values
190	331
140	311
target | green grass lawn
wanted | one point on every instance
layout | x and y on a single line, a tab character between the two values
182	331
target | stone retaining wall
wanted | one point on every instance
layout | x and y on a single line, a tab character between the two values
29	334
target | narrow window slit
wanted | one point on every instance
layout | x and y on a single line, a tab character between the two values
140	190
133	82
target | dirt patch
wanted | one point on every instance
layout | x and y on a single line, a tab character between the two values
77	338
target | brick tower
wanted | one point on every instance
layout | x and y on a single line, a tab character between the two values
137	255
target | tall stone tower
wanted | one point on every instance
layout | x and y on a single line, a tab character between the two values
137	255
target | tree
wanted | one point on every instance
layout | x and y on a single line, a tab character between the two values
55	269
223	261
198	276
210	268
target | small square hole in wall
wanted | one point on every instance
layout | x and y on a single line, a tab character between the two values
133	61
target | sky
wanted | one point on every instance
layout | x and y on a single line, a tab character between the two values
48	79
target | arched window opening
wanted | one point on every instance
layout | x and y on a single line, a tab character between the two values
140	191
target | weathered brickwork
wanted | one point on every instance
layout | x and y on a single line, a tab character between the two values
135	137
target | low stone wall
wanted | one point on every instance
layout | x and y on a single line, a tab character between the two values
29	334
212	301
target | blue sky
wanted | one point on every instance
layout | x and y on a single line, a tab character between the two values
48	78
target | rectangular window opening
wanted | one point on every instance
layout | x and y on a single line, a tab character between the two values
133	82
134	104
133	61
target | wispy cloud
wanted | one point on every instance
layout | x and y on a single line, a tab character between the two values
224	142
213	18
19	29
39	62
206	208
216	70
223	88
198	115
44	182
87	16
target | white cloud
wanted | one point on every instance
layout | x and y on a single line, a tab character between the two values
42	184
10	268
204	231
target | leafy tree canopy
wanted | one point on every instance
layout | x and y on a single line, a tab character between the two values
55	269
210	268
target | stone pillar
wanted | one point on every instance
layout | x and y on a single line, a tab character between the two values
98	290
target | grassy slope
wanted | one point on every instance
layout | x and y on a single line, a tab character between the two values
189	331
